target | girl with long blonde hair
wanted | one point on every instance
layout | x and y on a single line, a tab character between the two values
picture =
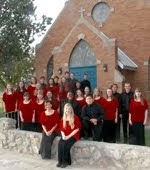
70	131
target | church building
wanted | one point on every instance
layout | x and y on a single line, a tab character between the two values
107	39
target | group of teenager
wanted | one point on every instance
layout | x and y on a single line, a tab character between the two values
67	107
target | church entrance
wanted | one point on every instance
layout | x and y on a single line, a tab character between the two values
83	61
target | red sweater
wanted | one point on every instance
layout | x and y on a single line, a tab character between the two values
31	90
110	108
27	111
9	101
100	101
81	102
39	109
137	110
68	129
56	91
64	88
49	121
19	97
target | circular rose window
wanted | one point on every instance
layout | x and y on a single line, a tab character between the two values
101	12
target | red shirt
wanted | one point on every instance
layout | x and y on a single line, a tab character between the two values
68	129
137	110
31	90
56	91
49	121
81	102
110	108
52	89
9	101
19	97
55	104
27	111
100	101
64	88
39	109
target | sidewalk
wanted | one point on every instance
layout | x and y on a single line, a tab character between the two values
16	161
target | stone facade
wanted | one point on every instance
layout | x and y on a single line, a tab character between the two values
126	24
84	153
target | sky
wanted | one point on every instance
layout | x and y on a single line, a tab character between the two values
50	8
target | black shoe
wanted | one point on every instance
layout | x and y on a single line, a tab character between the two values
59	165
64	165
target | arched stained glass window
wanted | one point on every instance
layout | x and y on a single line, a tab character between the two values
82	55
50	68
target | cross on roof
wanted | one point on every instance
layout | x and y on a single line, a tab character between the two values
82	10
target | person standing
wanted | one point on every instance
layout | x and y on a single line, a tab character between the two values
92	118
42	82
70	133
19	97
55	102
126	97
97	97
73	80
85	82
27	113
117	95
75	105
50	124
39	109
138	117
32	86
110	117
9	102
79	98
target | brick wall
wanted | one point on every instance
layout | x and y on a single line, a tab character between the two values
128	23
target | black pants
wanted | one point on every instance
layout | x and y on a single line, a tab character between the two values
64	147
46	145
118	124
13	115
38	127
27	126
109	131
138	135
96	130
125	123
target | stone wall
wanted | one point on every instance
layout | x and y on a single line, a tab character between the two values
97	154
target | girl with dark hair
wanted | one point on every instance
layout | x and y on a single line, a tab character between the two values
38	88
20	92
138	115
77	87
51	86
32	86
50	124
27	113
54	101
87	91
80	99
70	130
19	97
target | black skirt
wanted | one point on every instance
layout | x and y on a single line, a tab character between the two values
46	144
